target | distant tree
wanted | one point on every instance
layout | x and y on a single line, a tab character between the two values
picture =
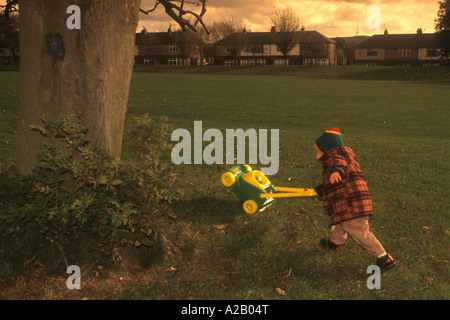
340	51
255	46
9	33
231	33
312	45
442	27
188	43
345	49
340	57
287	26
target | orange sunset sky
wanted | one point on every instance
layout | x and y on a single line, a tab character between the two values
330	17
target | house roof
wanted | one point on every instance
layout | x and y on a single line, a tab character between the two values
158	38
270	37
314	36
395	41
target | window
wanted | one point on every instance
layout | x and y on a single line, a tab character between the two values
253	62
146	60
247	62
321	62
404	52
260	62
316	62
179	62
230	62
372	53
174	48
431	64
281	62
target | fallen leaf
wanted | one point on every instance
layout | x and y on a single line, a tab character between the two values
281	291
117	182
221	226
288	273
426	229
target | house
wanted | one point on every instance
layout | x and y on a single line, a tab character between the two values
419	49
169	48
345	48
256	48
260	48
316	49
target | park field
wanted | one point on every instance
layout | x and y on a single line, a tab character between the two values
398	129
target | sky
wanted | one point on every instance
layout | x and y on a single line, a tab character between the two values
332	18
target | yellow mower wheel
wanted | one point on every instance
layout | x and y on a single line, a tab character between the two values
250	206
228	179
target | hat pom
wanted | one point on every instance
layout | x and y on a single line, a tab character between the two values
333	130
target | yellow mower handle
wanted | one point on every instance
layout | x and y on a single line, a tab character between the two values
291	192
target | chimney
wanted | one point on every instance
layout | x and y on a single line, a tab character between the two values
419	31
169	30
386	34
144	30
273	30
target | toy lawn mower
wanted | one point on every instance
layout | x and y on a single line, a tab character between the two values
255	190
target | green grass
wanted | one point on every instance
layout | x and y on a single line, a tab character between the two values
417	74
399	131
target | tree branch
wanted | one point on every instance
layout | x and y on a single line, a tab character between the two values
177	13
10	6
151	10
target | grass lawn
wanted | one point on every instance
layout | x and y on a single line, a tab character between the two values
399	131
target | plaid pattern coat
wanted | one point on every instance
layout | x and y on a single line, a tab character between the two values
349	198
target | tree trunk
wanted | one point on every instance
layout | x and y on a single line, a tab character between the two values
91	76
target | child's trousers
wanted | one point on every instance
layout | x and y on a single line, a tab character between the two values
359	229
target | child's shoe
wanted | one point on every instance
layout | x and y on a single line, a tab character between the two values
326	243
385	262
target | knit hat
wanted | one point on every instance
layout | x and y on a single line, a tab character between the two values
329	140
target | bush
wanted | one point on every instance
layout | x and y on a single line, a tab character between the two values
75	190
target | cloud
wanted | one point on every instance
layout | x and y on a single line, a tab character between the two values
330	17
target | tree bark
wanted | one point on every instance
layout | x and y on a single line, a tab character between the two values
91	76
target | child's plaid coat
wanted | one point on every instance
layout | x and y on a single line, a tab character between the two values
349	198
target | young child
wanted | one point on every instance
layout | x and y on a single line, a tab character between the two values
346	198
